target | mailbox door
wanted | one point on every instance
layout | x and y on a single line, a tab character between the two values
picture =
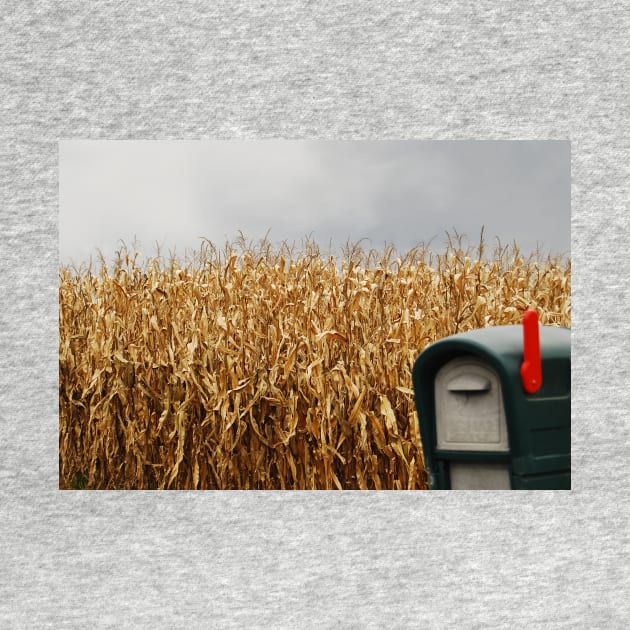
469	410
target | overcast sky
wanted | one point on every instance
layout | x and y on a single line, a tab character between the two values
399	192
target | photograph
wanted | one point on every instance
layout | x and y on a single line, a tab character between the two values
314	315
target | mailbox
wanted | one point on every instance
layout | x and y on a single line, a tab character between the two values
494	407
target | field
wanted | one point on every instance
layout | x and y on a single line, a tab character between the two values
254	367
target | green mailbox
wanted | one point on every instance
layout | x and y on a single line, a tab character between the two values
494	407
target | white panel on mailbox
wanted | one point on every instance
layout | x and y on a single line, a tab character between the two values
480	476
469	411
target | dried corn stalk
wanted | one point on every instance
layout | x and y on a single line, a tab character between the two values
268	370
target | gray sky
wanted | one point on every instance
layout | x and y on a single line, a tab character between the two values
402	192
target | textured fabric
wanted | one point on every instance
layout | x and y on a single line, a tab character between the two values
483	70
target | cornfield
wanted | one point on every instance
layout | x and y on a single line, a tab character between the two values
255	367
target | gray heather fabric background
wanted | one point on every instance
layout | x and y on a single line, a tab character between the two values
461	70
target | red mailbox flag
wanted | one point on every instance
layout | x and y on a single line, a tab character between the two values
531	368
